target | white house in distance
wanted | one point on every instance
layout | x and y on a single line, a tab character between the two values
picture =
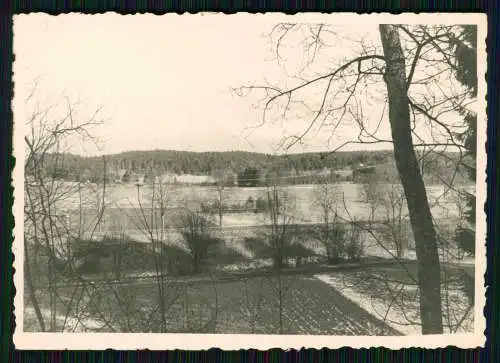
170	178
195	179
167	178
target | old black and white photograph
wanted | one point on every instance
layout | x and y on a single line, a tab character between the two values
249	181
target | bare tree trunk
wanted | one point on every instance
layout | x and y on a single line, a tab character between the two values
429	270
220	214
221	202
158	204
280	301
31	288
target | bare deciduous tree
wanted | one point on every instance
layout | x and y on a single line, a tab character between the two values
48	233
412	95
387	205
221	193
331	232
281	215
196	232
153	225
281	237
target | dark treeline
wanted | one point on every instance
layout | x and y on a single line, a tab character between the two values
73	167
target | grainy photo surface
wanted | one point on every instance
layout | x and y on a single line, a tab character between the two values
249	181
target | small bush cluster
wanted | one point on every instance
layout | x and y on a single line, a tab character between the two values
261	205
221	254
341	243
334	240
122	255
258	247
258	205
354	246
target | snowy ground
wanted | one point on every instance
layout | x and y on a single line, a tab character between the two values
68	324
410	254
396	302
365	302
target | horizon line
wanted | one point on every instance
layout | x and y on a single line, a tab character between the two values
324	152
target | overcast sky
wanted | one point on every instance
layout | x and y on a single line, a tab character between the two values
163	82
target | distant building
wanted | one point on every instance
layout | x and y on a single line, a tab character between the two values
167	178
195	179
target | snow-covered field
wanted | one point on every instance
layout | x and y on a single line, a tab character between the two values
443	201
397	304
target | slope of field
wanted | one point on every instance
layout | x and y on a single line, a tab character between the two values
247	306
391	294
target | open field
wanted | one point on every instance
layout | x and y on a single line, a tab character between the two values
123	216
297	303
390	293
309	306
379	299
350	204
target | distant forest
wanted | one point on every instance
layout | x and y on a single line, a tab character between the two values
72	167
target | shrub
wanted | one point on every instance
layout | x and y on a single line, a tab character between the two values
88	256
199	246
235	207
198	238
213	208
177	261
354	246
261	205
298	253
219	253
332	237
206	208
258	247
122	255
336	242
250	203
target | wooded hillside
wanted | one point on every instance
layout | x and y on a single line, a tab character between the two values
72	167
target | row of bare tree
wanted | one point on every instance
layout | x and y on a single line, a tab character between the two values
57	286
85	299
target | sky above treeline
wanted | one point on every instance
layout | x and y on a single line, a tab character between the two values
165	82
